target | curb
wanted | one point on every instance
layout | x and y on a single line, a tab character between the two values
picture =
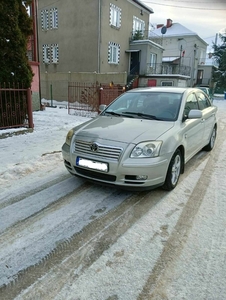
13	133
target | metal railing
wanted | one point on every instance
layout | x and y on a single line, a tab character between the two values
15	107
168	69
84	98
145	35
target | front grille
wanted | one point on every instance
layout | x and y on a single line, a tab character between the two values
102	150
94	175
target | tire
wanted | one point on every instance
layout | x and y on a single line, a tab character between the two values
174	171
212	140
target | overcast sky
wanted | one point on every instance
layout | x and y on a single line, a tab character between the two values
205	17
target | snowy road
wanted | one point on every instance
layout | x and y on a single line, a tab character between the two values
64	238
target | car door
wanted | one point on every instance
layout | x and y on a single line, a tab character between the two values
208	113
193	128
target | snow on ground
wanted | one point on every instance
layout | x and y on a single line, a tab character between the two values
40	150
23	154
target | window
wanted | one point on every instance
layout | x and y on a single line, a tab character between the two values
45	19
203	101
191	103
113	53
115	15
46	54
55	53
53	18
138	25
167	83
153	58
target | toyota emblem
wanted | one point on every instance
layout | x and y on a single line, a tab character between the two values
94	147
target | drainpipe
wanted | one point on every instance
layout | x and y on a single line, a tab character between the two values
99	37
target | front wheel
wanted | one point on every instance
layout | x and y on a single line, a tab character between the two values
173	172
212	140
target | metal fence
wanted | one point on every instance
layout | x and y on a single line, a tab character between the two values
85	98
15	107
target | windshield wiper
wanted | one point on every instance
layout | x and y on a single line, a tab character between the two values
112	113
147	116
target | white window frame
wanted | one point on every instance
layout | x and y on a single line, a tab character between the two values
153	60
45	19
115	15
138	25
113	53
55	53
53	18
46	54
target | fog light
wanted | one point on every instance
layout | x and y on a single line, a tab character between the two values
141	177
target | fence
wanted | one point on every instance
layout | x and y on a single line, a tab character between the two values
15	107
85	98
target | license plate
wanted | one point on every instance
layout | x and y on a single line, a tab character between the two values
91	164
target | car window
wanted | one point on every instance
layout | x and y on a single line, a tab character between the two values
191	103
203	101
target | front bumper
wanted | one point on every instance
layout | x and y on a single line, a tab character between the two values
123	173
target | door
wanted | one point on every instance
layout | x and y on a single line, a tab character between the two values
193	129
208	112
152	82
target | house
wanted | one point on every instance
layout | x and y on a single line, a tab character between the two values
88	40
184	53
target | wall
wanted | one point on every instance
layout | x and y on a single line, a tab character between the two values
35	86
55	85
143	81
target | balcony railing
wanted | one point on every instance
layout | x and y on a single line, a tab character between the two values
145	35
168	69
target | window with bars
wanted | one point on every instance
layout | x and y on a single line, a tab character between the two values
53	18
115	15
46	54
45	19
55	53
113	53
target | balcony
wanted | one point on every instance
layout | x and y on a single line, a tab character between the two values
168	69
145	35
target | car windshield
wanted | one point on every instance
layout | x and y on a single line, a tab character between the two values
163	106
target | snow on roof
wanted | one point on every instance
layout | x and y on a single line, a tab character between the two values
169	58
176	29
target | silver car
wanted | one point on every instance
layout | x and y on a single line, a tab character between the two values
143	139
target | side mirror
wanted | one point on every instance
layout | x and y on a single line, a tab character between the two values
102	107
195	114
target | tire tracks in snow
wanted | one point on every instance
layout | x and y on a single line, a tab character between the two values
155	285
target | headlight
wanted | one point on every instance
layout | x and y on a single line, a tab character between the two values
69	136
146	149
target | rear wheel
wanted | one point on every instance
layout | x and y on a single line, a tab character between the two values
212	140
173	172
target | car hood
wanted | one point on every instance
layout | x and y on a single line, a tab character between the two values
126	130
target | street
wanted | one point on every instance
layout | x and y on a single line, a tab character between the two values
64	238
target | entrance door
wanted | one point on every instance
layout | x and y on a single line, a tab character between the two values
135	63
151	82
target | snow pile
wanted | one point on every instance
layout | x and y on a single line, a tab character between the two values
39	150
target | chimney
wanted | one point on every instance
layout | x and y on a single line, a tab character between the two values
169	23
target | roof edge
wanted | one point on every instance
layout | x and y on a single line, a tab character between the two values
150	10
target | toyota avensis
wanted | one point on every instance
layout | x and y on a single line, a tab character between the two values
143	139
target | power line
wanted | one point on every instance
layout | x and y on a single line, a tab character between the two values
186	7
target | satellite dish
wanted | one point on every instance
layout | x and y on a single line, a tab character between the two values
163	30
